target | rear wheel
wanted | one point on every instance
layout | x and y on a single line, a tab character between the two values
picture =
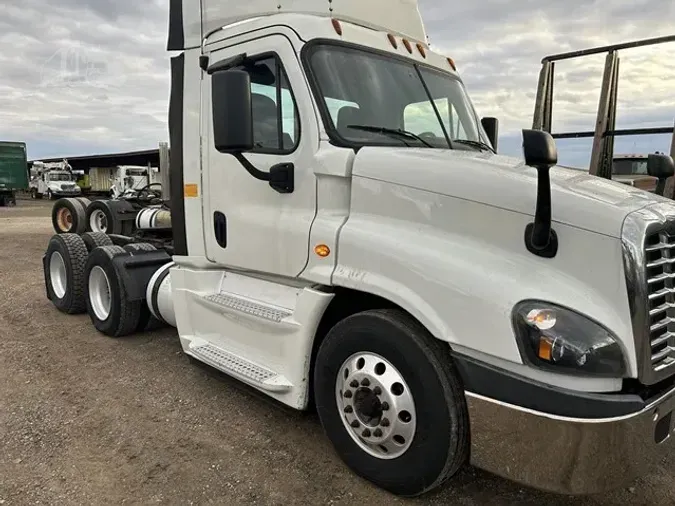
109	309
99	219
95	240
64	265
391	402
69	216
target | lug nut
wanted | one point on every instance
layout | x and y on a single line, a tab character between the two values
385	405
385	422
365	382
356	424
377	391
377	433
366	433
348	394
354	384
349	409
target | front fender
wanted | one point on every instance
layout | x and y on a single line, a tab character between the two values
459	267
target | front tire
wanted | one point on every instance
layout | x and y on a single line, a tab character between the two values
391	402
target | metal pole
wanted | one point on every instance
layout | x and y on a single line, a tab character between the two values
608	150
605	49
603	115
164	172
542	93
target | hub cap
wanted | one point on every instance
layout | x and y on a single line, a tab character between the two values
98	222
99	293
376	406
64	219
57	275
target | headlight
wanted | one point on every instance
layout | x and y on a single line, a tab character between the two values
559	339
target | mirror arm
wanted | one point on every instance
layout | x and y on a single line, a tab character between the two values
540	238
281	177
258	174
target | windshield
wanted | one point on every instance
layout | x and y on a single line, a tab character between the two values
58	176
363	89
136	172
630	167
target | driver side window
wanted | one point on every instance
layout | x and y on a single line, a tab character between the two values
276	124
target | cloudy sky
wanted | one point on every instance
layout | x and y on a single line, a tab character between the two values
114	95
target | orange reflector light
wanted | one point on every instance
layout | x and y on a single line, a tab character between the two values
337	26
545	350
322	250
422	51
407	45
392	41
452	64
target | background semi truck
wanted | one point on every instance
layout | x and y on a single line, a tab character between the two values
13	171
344	236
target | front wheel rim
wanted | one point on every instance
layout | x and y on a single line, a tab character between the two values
98	221
99	293
58	275
376	405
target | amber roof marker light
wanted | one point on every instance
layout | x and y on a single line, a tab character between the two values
392	41
338	26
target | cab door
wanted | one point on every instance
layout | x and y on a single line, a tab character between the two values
248	224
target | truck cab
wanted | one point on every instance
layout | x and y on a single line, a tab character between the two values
632	169
128	178
345	236
54	181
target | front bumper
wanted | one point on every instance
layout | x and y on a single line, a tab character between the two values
569	455
67	193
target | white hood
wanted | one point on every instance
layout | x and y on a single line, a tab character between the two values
578	199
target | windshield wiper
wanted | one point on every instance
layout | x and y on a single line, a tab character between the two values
393	131
478	144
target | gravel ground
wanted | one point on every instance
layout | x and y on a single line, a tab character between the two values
85	419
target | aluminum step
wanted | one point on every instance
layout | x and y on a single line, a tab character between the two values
241	304
240	368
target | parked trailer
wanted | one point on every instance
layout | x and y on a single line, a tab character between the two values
334	244
13	171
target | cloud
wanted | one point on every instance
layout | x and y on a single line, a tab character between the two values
86	76
498	46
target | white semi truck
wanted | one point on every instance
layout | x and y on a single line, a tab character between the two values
345	236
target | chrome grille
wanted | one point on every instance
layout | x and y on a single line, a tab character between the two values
648	242
660	273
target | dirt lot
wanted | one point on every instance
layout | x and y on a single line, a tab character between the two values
85	419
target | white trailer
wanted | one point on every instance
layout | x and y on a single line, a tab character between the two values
345	236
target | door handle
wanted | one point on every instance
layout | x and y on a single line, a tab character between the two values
220	229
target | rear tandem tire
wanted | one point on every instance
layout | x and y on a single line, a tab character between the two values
95	240
69	216
122	317
425	390
64	276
